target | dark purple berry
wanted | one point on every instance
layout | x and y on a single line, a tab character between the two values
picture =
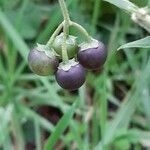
92	55
42	62
71	78
71	43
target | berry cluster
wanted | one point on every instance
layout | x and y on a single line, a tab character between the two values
70	73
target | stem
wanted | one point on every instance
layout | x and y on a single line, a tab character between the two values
103	109
17	129
64	46
65	29
49	43
96	14
81	29
37	135
64	10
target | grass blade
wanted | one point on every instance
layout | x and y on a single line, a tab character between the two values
127	109
60	127
123	4
142	43
37	135
13	35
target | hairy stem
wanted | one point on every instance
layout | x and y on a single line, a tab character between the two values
82	30
96	14
49	43
65	29
64	10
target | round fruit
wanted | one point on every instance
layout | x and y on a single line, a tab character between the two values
92	55
72	46
42	62
71	77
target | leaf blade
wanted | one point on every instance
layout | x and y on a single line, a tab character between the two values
141	43
60	127
123	4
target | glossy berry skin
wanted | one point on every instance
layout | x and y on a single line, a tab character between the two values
41	64
93	58
71	79
71	43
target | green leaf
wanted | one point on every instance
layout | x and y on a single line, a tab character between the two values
27	23
142	43
132	135
14	36
60	127
37	135
5	117
23	49
123	4
128	107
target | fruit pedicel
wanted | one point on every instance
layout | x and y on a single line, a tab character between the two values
75	58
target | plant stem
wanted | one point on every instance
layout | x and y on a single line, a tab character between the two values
65	29
37	135
103	109
49	43
96	14
82	30
64	10
64	46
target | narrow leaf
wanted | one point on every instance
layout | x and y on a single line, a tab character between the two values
123	4
142	43
13	35
60	127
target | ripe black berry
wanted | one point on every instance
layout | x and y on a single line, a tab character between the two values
71	77
92	55
42	62
71	43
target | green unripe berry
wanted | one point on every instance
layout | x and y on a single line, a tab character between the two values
71	44
42	61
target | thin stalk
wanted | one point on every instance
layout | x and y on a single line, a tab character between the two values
37	135
64	46
18	132
103	109
95	121
65	14
96	14
65	29
81	29
51	40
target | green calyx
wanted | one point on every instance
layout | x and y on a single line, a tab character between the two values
67	65
71	45
86	45
48	51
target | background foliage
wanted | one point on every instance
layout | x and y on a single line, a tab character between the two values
111	111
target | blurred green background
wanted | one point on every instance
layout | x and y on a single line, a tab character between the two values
114	109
